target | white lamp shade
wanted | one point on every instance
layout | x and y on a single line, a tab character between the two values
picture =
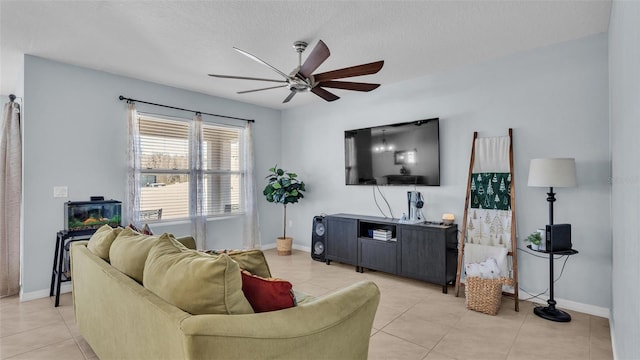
560	172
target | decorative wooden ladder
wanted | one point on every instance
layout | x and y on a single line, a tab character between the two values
512	252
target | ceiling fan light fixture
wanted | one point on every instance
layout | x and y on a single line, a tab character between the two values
302	78
300	46
298	85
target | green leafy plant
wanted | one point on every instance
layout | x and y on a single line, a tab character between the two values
535	238
284	188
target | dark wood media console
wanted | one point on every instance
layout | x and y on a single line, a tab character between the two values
426	252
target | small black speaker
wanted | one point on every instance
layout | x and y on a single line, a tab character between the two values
558	237
319	238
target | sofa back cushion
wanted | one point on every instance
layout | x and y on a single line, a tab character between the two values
129	252
251	260
195	282
130	249
100	242
188	241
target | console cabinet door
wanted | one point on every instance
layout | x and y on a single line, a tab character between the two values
342	240
423	254
378	255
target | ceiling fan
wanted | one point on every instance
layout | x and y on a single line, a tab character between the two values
301	78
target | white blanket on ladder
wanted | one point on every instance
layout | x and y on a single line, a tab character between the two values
476	253
492	155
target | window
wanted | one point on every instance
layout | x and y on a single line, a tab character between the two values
166	168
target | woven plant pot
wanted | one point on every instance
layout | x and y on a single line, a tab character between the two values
284	245
484	295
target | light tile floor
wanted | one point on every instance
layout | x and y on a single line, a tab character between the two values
415	320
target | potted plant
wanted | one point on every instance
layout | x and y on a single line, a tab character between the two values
535	239
284	188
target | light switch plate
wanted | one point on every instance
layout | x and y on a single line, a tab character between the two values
60	191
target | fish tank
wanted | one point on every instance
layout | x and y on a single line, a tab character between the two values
84	217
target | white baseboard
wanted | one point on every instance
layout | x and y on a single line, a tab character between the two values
302	248
267	246
294	246
562	303
613	338
575	306
39	294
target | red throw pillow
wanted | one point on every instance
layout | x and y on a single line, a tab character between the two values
267	294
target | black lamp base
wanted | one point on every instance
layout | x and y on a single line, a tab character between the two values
553	314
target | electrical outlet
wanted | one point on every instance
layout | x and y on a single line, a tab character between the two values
290	223
60	191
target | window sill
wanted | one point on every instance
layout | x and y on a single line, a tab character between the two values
186	221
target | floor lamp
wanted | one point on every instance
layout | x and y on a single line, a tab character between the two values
552	173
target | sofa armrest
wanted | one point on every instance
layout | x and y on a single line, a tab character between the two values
118	317
335	326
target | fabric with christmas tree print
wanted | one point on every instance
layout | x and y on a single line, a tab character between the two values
491	190
489	227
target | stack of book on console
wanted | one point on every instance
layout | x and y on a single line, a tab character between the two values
381	234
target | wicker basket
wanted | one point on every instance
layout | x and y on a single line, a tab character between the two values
484	295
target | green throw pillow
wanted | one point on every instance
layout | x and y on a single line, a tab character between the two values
187	241
100	242
251	260
195	282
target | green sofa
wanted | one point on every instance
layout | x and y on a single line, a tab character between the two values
121	319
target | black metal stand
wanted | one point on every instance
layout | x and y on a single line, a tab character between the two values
58	260
550	312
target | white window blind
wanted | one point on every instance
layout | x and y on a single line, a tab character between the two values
222	169
164	172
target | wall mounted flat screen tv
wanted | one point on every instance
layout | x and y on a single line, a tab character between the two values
396	154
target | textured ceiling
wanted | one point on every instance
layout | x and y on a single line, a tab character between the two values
178	43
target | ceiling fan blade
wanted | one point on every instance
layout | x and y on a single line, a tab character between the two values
364	69
291	94
318	55
347	85
324	94
245	78
267	88
253	57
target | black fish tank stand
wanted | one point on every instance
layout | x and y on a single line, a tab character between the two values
81	220
61	271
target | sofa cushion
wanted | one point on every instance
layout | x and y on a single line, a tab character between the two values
130	249
195	282
250	260
129	252
100	242
187	241
267	294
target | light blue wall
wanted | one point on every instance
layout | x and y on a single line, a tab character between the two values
555	99
75	135
624	67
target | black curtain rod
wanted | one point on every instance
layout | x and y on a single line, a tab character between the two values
177	108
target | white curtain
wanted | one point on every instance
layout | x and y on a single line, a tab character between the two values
196	188
132	200
251	233
10	199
